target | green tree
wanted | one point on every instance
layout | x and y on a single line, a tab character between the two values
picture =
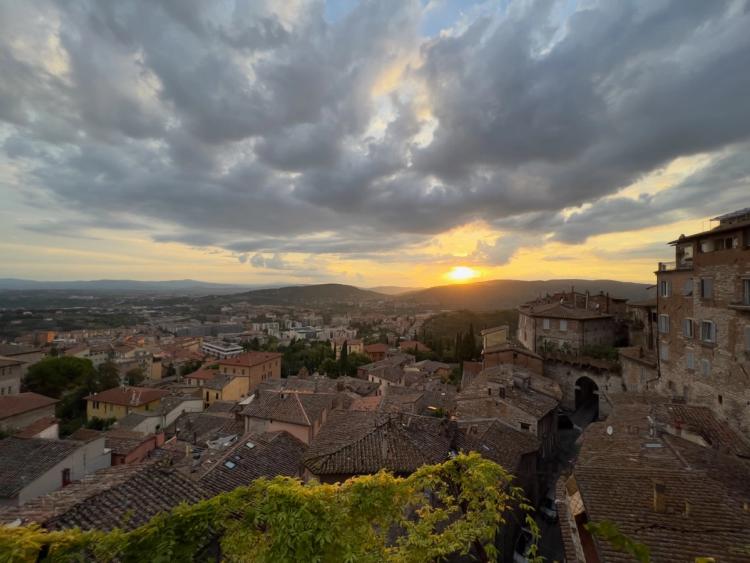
344	358
54	376
96	423
134	376
189	367
355	360
108	376
440	511
330	367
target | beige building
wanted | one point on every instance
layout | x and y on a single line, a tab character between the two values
31	467
300	414
121	401
704	319
353	346
251	369
11	373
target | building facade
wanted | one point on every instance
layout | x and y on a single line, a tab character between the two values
704	319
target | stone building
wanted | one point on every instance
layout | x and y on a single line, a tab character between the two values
643	323
704	319
559	326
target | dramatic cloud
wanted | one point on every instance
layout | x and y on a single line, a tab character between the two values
269	128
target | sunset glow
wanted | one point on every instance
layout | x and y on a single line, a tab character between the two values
462	273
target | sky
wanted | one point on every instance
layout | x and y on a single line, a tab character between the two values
393	142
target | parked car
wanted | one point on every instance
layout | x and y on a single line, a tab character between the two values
548	508
523	546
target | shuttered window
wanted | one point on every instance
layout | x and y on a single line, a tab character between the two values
664	324
687	328
707	288
708	331
689	359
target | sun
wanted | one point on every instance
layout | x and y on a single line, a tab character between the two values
462	273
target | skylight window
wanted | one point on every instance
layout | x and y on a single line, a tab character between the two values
230	464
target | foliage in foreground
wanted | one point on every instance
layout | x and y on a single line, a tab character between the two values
457	506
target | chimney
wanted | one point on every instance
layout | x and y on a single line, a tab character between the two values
660	497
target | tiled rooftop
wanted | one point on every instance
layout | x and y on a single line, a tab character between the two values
124	496
22	460
253	456
12	405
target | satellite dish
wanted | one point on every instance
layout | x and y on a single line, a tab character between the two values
610	430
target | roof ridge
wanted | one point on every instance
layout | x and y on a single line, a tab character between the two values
302	407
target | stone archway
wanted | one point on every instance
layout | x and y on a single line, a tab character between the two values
587	395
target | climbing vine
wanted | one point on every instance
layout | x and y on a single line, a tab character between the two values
454	507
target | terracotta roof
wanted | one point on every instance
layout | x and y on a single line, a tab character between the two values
295	408
406	345
621	459
124	496
254	456
22	460
128	396
11	405
221	407
13	350
122	442
359	442
36	427
496	441
377	347
715	525
6	362
250	359
366	403
203	373
218	383
198	427
701	421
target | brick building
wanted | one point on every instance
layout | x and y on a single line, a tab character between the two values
704	319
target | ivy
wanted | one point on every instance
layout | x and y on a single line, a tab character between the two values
454	507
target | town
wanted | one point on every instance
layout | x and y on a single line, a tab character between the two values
603	408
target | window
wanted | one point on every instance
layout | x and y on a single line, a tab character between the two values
747	339
229	464
96	404
545	324
525	426
665	288
689	359
708	331
707	288
705	367
65	477
687	288
746	292
687	328
663	351
664	324
564	324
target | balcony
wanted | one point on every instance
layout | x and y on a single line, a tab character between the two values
674	266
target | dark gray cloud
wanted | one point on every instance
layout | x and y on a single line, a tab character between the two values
253	127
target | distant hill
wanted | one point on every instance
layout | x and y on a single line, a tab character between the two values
506	294
393	289
189	286
328	293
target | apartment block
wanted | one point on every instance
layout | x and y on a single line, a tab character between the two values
703	324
